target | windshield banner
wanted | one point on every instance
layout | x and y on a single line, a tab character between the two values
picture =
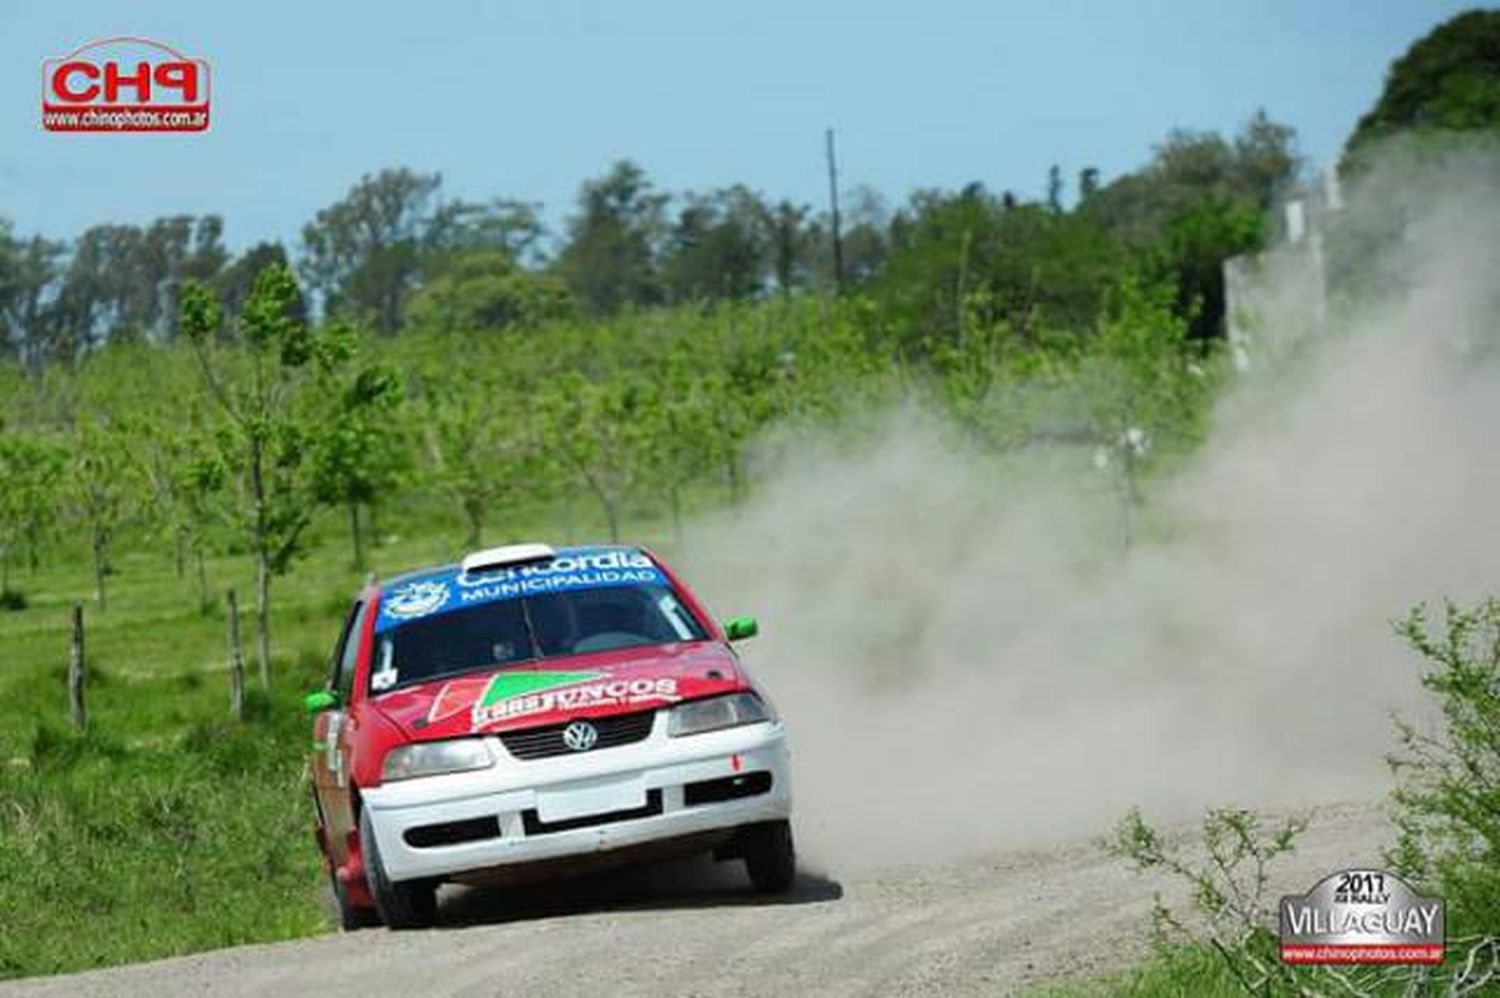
572	569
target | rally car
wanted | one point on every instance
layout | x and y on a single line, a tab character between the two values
531	711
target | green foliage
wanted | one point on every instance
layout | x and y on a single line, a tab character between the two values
99	487
1025	266
1448	81
268	429
484	290
611	255
1227	886
364	252
31	473
1447	799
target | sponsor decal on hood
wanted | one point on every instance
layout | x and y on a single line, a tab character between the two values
600	684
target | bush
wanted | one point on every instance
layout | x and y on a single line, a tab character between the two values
1447	799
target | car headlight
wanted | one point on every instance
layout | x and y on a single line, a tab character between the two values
433	758
730	711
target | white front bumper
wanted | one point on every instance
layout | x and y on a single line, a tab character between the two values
577	786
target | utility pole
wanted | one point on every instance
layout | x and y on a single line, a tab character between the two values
833	202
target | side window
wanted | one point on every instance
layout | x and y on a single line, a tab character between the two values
341	680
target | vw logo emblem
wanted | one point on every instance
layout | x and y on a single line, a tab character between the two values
580	736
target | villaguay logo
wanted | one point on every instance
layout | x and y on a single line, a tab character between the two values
125	85
1362	916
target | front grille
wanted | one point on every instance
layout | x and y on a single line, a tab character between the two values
534	824
451	833
725	788
539	743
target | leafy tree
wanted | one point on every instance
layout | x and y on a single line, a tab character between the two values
31	471
1447	801
1140	390
360	456
235	282
478	459
718	247
265	433
185	478
511	227
363	254
1447	81
122	281
610	258
28	269
1026	266
598	431
1088	183
484	290
100	488
791	245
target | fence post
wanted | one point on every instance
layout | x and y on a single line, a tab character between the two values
75	672
236	660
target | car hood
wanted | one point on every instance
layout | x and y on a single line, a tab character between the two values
560	689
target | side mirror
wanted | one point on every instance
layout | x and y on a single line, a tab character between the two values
741	628
320	701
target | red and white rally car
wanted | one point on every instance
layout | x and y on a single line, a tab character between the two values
527	709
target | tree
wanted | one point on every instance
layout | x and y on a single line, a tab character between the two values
718	247
237	279
790	245
264	432
480	461
511	227
100	488
484	290
122	281
31	471
1026	267
360	456
1088	183
185	476
28	269
610	258
1448	80
598	430
1054	189
363	254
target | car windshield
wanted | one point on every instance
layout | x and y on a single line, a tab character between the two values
492	635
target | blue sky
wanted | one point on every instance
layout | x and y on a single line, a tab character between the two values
528	99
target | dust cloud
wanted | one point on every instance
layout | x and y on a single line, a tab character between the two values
967	664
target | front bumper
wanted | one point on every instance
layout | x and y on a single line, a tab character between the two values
576	805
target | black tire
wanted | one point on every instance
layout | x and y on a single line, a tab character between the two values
349	917
771	857
406	904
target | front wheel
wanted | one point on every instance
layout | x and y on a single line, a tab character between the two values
770	857
406	904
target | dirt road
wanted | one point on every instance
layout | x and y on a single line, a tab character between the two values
984	927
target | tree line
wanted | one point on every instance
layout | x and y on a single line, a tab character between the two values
396	252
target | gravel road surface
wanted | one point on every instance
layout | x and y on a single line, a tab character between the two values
990	926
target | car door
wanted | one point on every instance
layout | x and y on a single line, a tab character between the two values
330	764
